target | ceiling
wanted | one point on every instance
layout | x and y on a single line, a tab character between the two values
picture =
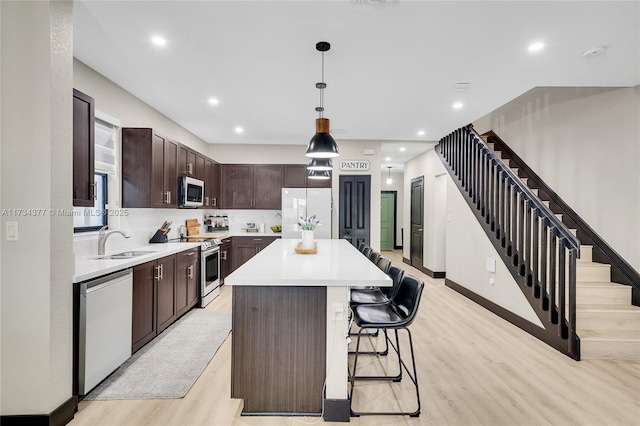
390	72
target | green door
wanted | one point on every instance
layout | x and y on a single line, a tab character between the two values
387	220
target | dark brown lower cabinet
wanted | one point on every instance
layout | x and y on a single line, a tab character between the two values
225	258
187	278
245	247
144	305
162	293
278	349
166	292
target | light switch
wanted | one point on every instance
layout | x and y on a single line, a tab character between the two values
491	264
12	231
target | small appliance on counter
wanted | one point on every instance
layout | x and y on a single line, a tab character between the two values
161	234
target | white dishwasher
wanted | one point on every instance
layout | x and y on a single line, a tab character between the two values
104	327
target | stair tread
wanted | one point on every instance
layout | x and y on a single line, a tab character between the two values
607	308
628	335
596	284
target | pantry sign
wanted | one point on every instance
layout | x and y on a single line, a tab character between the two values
354	165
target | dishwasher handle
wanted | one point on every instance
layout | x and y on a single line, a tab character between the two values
88	287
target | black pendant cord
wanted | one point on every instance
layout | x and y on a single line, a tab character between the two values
322	86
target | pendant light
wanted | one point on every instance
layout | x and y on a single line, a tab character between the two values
389	180
322	144
314	174
320	164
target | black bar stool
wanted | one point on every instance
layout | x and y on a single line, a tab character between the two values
374	256
395	315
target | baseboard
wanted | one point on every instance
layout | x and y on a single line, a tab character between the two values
433	274
397	247
509	316
58	417
407	261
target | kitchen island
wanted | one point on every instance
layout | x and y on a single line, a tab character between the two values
290	328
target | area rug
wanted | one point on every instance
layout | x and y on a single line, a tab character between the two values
169	365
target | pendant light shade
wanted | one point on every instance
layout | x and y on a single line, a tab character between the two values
320	164
322	144
389	180
313	174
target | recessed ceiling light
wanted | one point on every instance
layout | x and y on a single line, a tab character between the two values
239	129
387	159
213	101
402	148
458	105
534	47
159	41
420	132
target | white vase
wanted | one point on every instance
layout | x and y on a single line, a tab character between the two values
307	240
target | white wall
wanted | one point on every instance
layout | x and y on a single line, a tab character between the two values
36	146
468	248
398	186
131	111
430	167
585	144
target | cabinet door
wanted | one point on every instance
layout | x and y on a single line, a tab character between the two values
187	275
216	194
268	186
144	295
159	197
171	172
295	176
208	182
243	249
237	186
200	166
225	259
166	311
83	150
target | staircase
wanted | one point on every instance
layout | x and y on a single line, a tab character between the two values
585	314
607	324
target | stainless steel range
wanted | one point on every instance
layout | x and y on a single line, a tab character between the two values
209	271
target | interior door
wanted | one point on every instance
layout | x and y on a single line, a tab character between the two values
387	220
355	203
417	222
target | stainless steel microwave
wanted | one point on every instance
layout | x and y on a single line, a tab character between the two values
190	192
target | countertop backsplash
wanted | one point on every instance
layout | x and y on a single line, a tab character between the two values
141	224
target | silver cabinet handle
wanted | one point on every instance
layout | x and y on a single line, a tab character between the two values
215	202
157	268
190	168
190	271
224	255
206	201
167	197
161	271
190	254
95	190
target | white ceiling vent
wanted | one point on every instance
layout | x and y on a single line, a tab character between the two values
461	87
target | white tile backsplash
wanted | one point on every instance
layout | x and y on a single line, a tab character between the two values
141	224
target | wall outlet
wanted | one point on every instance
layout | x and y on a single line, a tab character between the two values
12	231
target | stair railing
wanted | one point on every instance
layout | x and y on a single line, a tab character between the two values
538	248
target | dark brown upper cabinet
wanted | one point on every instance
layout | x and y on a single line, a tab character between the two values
149	169
297	176
211	180
187	163
84	188
252	186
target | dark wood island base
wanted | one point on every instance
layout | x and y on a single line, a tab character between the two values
278	363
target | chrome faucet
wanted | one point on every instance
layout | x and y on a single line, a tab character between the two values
103	235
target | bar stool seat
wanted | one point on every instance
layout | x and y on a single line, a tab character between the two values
395	315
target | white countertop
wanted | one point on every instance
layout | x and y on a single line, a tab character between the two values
90	267
337	264
266	233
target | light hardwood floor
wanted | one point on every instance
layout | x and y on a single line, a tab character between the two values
473	368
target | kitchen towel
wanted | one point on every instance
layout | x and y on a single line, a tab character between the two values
170	364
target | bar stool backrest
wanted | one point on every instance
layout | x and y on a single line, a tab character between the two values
405	302
374	256
383	263
361	246
367	251
396	274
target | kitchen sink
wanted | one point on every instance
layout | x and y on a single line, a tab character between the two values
125	255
